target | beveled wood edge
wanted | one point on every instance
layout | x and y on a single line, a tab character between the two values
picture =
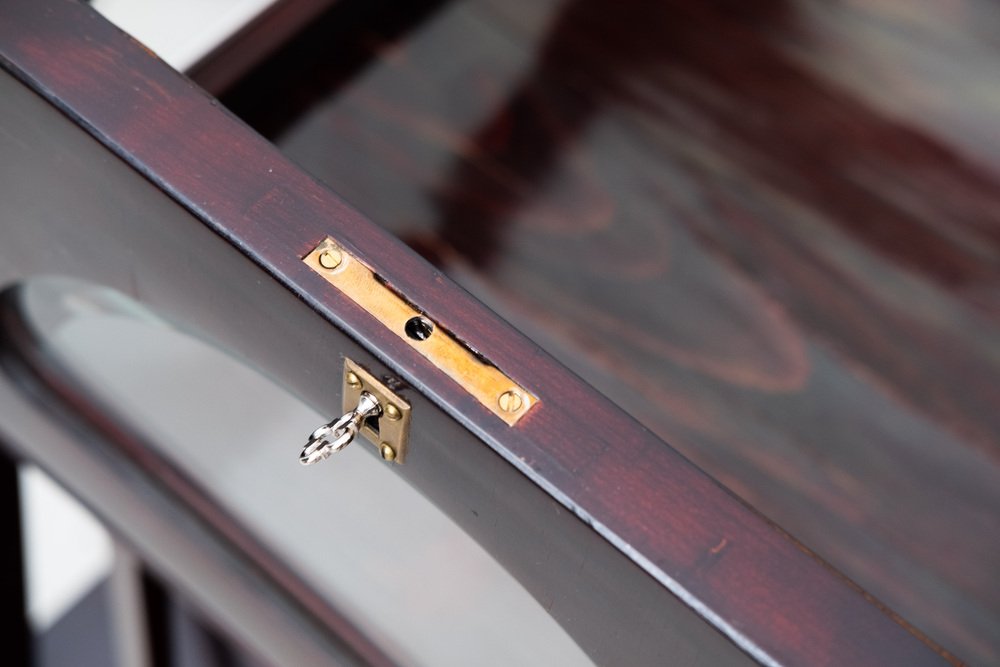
664	514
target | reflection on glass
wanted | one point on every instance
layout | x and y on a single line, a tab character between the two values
427	592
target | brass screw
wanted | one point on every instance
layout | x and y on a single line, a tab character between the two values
353	381
330	258
388	453
392	412
510	401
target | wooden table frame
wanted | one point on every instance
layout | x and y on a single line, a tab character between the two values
681	563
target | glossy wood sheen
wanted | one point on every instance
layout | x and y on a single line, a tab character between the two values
770	231
88	207
634	493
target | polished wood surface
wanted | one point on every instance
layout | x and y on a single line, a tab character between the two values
770	231
589	508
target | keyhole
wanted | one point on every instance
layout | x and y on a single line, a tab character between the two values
419	328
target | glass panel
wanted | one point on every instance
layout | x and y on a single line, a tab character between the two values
343	528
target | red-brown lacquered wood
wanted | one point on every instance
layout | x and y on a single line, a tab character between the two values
72	207
745	576
766	230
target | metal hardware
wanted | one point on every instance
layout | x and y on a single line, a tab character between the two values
489	385
333	437
372	410
387	452
510	401
392	428
330	259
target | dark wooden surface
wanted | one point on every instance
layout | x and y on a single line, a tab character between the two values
770	231
627	488
92	215
254	42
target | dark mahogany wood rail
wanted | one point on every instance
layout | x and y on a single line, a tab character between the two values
225	262
769	230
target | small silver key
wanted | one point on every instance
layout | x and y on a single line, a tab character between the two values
333	437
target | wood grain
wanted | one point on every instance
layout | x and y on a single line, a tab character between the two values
693	538
771	232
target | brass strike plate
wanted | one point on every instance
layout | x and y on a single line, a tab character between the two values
389	432
488	384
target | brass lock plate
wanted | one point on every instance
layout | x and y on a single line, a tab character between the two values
493	388
388	432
